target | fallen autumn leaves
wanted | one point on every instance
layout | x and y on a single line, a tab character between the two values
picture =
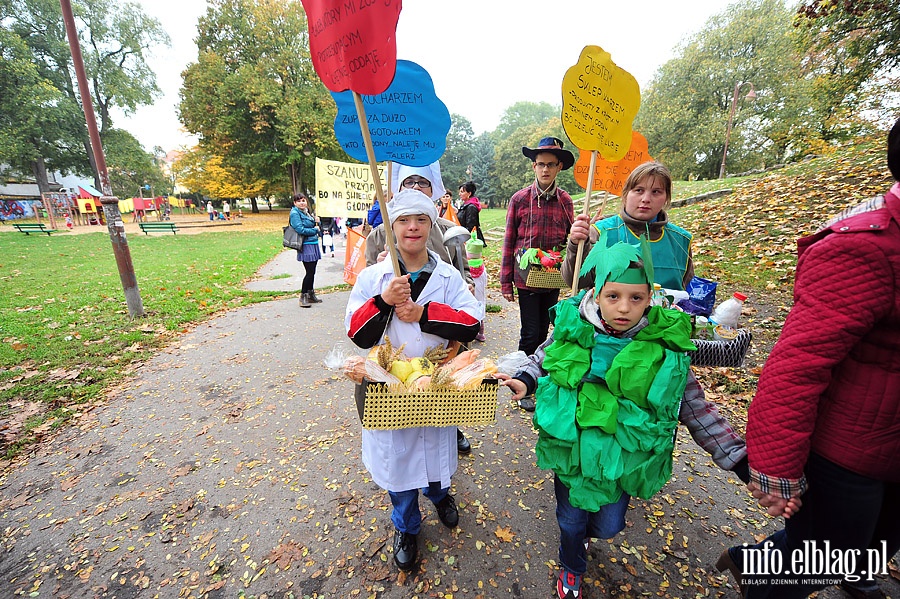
229	467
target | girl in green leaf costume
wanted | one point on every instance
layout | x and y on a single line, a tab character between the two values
613	374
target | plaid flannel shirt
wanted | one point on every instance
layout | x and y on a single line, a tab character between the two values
533	222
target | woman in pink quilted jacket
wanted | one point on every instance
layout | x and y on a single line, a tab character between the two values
825	423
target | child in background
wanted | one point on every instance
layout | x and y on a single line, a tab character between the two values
609	383
474	247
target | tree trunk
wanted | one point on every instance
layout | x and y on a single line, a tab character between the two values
39	170
254	208
295	179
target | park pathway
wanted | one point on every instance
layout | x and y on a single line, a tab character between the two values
229	466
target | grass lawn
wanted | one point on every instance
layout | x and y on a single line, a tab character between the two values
65	334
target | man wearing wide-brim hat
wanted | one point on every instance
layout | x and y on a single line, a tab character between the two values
538	216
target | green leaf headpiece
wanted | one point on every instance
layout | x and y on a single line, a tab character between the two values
613	263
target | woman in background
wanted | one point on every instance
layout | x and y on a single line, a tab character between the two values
306	224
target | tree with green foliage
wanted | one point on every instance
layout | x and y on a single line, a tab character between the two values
522	114
253	97
130	167
865	32
482	166
35	116
115	38
853	54
458	156
512	171
685	109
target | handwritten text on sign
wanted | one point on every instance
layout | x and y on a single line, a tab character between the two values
600	101
344	189
408	123
353	43
610	175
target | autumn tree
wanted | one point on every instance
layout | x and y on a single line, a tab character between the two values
206	173
853	54
685	109
253	97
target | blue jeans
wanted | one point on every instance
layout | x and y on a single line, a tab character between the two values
576	525
406	515
849	511
534	313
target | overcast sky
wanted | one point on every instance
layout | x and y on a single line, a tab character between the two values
483	55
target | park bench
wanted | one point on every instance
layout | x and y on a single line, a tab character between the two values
29	228
161	227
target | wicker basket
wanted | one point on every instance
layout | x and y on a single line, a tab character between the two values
545	279
383	408
722	353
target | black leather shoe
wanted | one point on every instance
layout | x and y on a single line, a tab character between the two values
527	403
462	444
406	549
447	511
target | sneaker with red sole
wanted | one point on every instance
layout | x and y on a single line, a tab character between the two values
568	585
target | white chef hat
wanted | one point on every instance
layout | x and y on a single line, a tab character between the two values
432	172
407	202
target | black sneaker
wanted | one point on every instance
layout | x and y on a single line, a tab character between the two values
462	444
527	403
447	511
406	549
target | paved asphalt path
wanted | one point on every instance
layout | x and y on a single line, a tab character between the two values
229	466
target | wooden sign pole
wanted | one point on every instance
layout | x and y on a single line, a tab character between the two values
389	241
579	257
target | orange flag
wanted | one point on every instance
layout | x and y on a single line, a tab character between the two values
451	214
354	255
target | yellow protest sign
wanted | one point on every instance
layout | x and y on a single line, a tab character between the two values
600	101
344	189
610	175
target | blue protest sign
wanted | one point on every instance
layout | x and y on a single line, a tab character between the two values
407	122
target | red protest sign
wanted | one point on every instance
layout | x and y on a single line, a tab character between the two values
353	43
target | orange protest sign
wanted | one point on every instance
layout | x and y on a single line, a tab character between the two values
354	255
610	175
600	101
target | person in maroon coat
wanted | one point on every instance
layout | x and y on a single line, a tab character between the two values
824	425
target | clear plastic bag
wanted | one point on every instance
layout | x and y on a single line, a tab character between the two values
335	357
513	363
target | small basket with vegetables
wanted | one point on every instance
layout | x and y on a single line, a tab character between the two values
394	391
540	268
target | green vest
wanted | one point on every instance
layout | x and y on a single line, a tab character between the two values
607	410
670	252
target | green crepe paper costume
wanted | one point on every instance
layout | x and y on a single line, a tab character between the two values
608	408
